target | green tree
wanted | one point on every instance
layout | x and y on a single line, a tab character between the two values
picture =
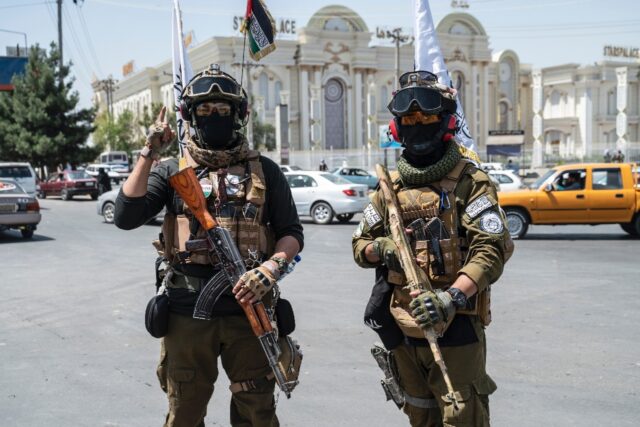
39	121
264	134
116	134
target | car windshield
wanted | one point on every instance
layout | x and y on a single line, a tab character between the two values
295	168
542	179
78	175
7	187
15	172
335	179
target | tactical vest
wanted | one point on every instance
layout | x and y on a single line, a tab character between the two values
428	202
241	213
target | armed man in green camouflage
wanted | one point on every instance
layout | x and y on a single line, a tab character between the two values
458	236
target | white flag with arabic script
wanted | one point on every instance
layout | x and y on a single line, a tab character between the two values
182	71
428	57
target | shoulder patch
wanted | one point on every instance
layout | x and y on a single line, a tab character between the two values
371	215
478	206
356	234
491	223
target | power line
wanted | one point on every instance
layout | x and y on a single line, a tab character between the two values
76	41
24	4
88	39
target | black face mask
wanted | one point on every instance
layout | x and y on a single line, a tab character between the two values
217	131
423	145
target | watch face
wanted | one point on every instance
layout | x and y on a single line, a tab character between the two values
505	71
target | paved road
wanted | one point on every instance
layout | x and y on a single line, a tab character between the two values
563	346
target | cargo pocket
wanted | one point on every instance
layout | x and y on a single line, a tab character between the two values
180	383
161	371
484	386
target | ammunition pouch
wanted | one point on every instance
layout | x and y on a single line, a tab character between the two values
156	316
285	318
377	315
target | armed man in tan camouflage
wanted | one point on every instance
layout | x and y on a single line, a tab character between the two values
250	197
450	209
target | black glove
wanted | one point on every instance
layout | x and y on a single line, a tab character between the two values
387	250
433	309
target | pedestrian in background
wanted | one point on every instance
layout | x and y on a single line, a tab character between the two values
323	166
104	182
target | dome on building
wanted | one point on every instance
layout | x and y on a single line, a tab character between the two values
461	24
337	18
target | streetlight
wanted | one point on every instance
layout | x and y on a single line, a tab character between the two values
26	46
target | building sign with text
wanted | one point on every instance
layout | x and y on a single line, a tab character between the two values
622	52
283	25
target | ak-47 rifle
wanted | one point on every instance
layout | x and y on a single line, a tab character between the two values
222	246
416	278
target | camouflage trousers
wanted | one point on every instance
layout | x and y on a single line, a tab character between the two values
421	378
188	369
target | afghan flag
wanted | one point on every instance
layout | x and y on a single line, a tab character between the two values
262	29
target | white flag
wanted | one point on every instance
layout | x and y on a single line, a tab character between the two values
182	71
428	57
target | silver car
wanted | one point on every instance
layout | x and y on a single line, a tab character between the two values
322	196
107	206
18	209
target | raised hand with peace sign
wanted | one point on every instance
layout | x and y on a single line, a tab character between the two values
160	135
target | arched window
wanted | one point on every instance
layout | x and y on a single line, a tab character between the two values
384	97
277	88
337	24
263	88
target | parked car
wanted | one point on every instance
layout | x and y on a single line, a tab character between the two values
507	179
22	173
288	168
357	175
491	166
115	158
583	193
68	184
106	207
115	172
324	196
18	209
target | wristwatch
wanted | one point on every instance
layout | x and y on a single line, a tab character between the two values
281	262
148	153
458	297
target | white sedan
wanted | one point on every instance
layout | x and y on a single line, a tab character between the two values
508	180
322	196
18	209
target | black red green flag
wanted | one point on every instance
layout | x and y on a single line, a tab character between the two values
262	29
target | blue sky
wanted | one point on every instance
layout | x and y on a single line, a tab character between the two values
102	35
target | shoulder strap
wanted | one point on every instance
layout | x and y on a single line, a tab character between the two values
450	180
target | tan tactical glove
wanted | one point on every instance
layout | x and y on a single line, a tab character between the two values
387	250
433	310
258	282
160	136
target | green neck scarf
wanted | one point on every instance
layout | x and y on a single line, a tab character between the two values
412	176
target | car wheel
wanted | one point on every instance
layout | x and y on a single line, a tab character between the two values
108	212
64	194
344	218
517	223
632	227
321	213
27	233
42	195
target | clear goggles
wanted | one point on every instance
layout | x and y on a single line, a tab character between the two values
416	98
207	85
207	108
417	77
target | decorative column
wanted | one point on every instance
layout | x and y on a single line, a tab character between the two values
475	97
316	116
622	126
486	115
358	142
304	109
585	115
372	114
538	130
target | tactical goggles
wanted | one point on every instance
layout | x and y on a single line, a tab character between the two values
207	108
417	77
416	98
207	85
418	117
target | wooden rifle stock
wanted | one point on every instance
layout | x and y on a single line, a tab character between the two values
416	278
186	184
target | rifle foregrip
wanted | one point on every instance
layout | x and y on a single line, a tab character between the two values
252	316
187	186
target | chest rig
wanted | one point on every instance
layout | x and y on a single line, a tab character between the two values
236	198
440	251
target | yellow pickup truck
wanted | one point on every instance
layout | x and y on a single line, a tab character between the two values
584	193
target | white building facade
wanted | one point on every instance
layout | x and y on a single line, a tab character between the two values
337	82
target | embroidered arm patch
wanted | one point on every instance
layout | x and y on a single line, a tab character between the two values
491	222
371	215
478	206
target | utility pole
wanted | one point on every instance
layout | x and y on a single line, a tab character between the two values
108	85
398	39
59	2
248	65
